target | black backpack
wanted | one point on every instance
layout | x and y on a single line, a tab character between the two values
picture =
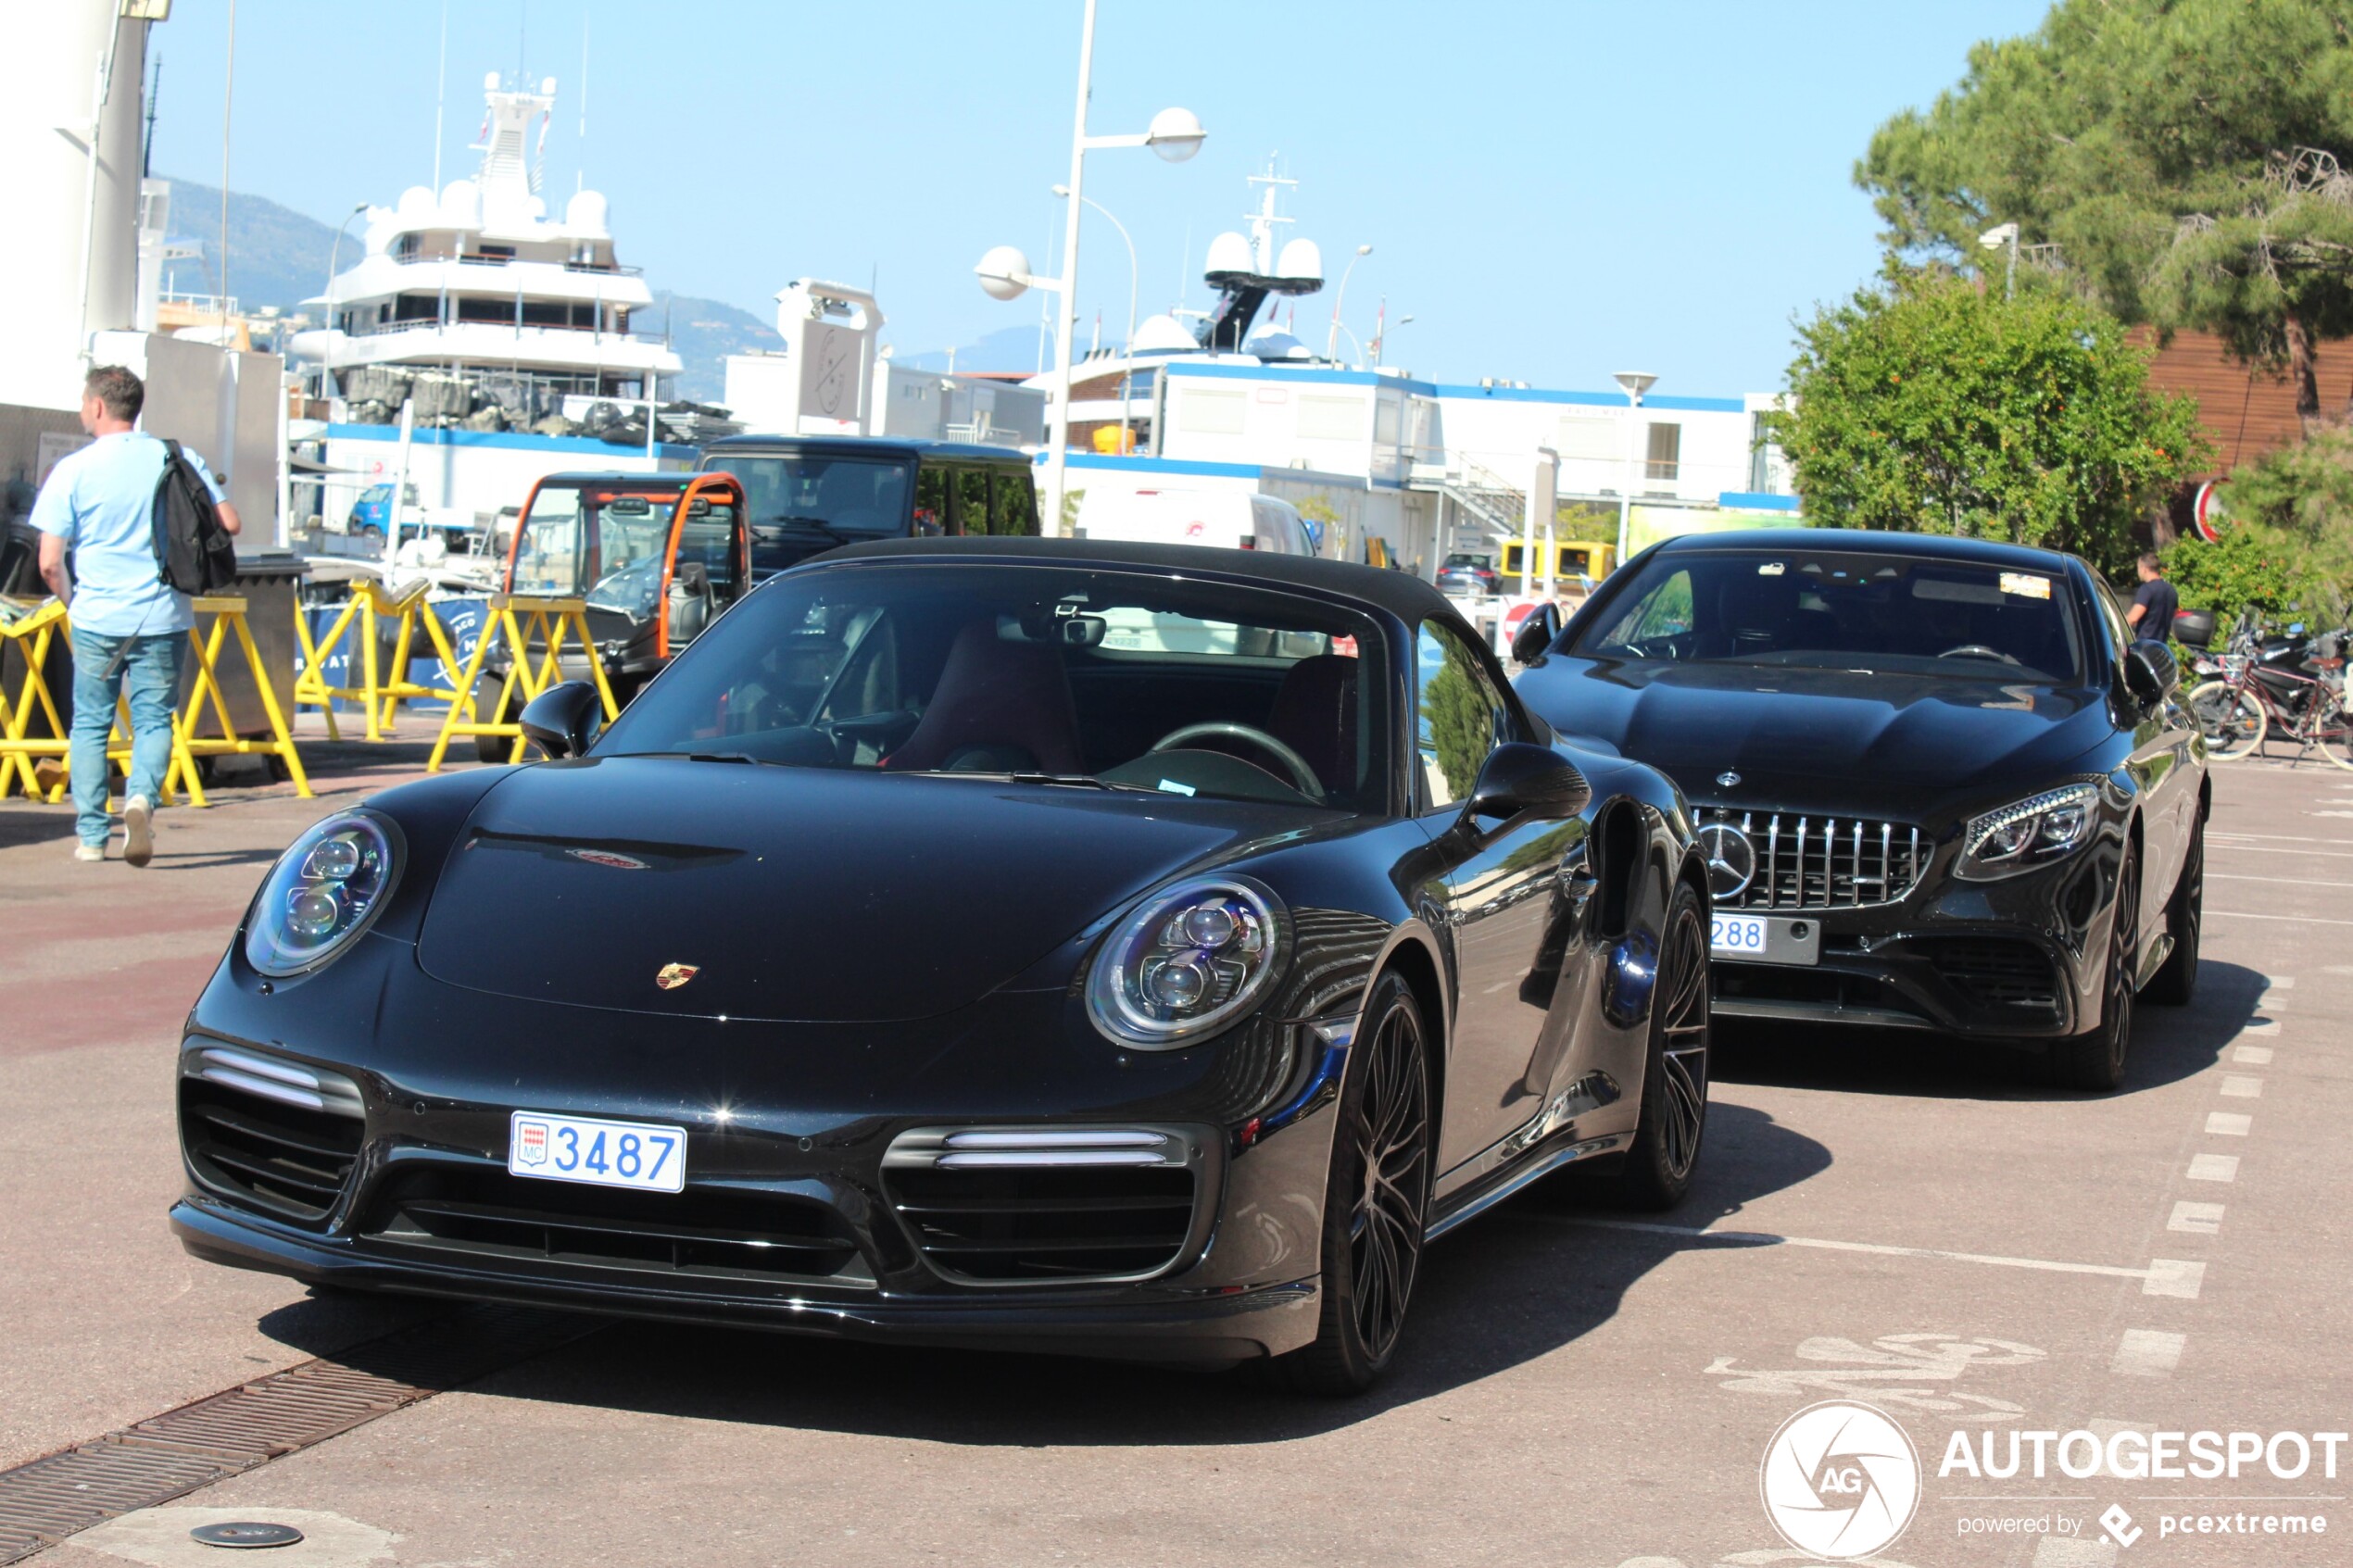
193	553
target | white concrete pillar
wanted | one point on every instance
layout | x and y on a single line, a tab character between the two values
73	207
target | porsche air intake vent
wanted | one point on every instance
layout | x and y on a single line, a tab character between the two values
1810	862
1046	1205
275	1135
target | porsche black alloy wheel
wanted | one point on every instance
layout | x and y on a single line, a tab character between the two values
2094	1058
1674	1117
2176	982
1375	1200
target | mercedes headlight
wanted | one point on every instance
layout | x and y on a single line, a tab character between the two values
1194	957
2032	832
324	891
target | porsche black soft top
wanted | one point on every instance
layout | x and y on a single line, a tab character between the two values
1402	594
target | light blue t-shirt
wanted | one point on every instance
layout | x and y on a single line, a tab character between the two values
101	501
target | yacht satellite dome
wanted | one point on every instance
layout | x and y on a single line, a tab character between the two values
1162	334
1229	256
588	213
419	206
1271	342
461	204
1300	260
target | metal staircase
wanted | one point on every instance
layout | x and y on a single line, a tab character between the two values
1490	499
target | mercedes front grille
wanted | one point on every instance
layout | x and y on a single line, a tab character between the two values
1810	862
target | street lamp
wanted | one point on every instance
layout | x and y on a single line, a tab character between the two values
1633	383
1996	238
1176	135
1331	341
1063	192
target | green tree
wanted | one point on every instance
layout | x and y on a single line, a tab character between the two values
1929	405
1458	727
2178	160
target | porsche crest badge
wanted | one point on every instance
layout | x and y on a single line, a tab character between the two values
673	975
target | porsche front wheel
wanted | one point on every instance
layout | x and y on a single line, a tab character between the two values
1375	1200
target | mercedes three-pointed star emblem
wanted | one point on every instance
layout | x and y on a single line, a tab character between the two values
1732	859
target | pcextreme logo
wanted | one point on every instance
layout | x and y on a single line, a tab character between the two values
1840	1480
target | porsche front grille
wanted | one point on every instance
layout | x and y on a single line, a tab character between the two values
1822	862
1046	1205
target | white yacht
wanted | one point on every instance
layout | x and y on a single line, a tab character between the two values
532	317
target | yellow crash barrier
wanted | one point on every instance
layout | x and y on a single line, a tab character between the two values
381	691
32	636
522	621
228	613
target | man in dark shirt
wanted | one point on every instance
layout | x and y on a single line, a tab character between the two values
2155	605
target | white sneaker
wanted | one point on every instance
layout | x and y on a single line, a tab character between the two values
138	831
89	851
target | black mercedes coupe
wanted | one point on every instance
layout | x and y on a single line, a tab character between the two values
1040	944
1938	784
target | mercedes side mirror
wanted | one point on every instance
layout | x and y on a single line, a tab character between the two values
1537	633
2150	673
1523	779
564	719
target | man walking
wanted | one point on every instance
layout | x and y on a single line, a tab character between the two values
128	625
2155	605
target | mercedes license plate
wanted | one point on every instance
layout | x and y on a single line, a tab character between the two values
606	1154
1765	939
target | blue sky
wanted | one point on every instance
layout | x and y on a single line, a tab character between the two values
1553	191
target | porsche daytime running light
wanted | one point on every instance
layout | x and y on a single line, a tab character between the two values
323	892
2033	833
1193	957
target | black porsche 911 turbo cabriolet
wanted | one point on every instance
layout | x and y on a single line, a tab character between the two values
1072	946
1938	782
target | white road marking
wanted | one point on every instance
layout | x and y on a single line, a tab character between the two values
2280	881
2287	837
2238	1086
2228	1124
2214	1167
2252	1056
2162	1277
2148	1352
2198	1218
2282	983
2292	920
2260	1026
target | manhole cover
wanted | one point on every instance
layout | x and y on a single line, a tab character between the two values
245	1532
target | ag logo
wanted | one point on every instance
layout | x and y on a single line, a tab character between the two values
1840	1480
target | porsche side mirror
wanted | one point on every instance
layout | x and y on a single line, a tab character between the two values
564	719
2150	673
1522	780
1537	633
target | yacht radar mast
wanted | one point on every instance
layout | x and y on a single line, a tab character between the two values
1247	269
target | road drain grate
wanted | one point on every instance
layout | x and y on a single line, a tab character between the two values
154	1460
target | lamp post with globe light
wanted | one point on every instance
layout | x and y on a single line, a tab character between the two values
1633	383
1176	135
1130	351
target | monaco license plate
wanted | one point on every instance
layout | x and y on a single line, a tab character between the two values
1765	939
602	1153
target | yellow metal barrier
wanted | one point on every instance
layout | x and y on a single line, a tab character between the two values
228	613
33	635
380	692
516	618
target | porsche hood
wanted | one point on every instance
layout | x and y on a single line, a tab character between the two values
729	890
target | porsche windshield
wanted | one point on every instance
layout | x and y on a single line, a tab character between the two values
1089	677
1845	610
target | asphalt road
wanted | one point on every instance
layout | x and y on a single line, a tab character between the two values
1882	1217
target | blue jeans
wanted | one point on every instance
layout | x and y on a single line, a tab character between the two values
146	678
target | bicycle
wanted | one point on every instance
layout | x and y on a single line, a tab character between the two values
2252	695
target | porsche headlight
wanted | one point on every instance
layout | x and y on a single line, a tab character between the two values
323	892
2033	833
1194	957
